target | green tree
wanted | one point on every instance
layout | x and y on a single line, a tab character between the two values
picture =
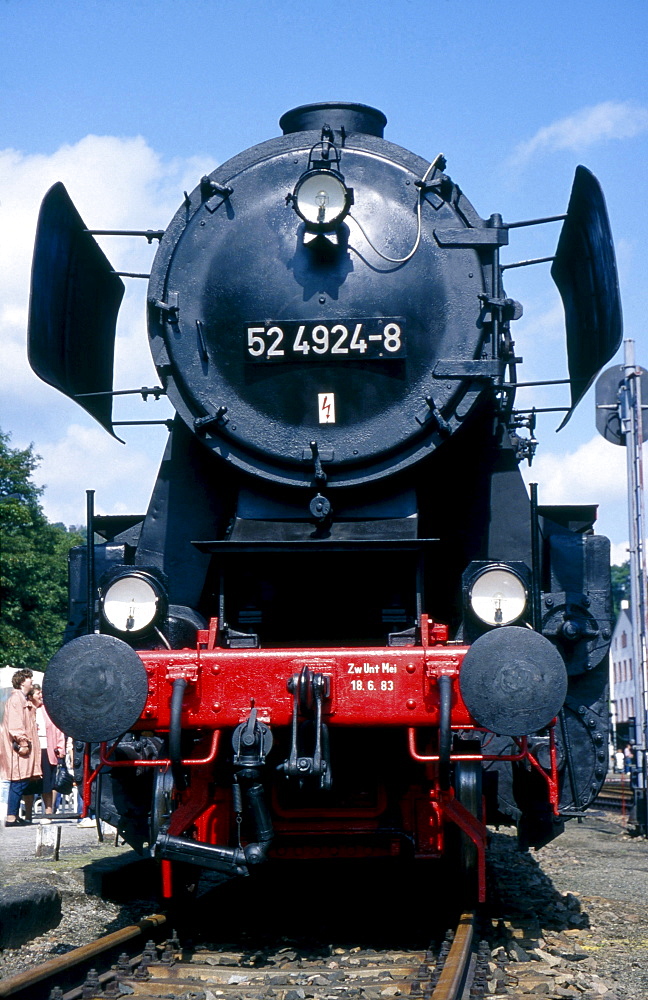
33	565
620	585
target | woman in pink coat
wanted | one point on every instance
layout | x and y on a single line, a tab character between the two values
19	748
52	747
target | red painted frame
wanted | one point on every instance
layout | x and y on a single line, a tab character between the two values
369	687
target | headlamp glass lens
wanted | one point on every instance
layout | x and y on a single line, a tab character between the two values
130	604
321	198
498	596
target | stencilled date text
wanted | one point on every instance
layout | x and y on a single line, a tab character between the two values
373	677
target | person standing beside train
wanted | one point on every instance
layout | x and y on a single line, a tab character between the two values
19	746
52	747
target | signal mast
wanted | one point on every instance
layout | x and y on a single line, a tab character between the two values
619	418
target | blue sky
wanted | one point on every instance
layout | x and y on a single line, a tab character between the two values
129	102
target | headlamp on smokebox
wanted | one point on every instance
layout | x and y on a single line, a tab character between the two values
321	197
495	594
132	601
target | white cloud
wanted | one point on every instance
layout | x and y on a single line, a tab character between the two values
88	458
619	553
585	128
595	473
115	183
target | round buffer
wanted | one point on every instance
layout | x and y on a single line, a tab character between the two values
95	688
513	681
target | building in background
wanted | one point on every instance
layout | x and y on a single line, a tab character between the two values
622	680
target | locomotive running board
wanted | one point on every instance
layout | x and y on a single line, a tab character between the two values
75	298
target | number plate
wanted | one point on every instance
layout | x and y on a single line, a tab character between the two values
351	340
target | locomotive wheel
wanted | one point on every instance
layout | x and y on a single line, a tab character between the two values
468	790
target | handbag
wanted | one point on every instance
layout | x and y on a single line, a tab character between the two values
63	781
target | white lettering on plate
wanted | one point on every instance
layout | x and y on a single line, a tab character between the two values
357	684
370	670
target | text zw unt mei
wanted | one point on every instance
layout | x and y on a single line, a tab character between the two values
372	668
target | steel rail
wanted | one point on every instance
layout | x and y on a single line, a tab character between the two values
25	980
455	969
415	975
451	983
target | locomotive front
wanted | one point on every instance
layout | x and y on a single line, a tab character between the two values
341	609
316	288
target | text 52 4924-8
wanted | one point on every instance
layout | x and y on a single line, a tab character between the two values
337	341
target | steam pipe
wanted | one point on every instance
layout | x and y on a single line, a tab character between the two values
175	732
228	860
256	853
445	732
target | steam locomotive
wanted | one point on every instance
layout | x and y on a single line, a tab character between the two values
343	628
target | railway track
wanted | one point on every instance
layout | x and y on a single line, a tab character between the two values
72	966
449	971
615	795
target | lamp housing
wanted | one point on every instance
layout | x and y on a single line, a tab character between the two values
132	601
322	199
495	594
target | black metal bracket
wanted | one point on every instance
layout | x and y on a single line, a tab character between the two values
472	238
202	423
309	692
326	146
510	309
432	413
320	475
208	188
251	742
170	311
320	506
148	234
156	391
525	447
440	186
143	423
483	368
230	638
